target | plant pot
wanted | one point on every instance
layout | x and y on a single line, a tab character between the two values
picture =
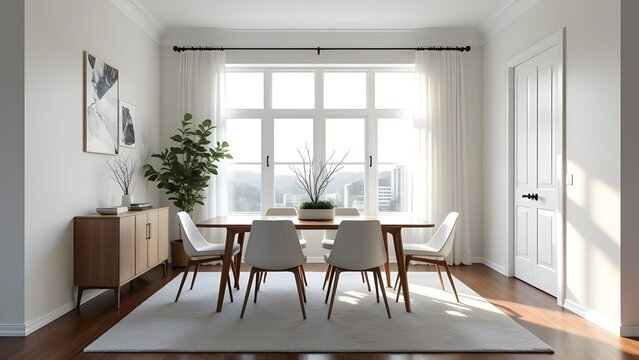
127	200
178	256
316	214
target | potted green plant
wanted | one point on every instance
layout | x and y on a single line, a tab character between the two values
314	177
187	166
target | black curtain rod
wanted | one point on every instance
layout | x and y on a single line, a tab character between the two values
319	49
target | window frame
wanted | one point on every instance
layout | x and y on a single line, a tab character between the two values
319	116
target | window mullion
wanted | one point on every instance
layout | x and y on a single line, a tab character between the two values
370	180
268	146
319	121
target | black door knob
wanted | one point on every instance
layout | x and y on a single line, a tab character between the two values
534	196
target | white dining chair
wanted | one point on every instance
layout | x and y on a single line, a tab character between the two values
329	238
200	251
288	211
433	252
357	247
274	246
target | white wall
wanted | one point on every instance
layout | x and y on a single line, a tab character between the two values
12	165
629	168
61	180
592	144
472	69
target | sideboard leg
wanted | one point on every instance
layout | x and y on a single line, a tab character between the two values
80	290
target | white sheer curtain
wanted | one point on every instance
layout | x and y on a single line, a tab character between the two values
440	180
201	93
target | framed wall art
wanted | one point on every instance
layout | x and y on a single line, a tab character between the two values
127	124
101	94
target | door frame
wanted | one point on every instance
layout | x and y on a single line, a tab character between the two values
556	39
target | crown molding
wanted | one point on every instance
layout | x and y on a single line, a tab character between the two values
140	16
504	16
320	37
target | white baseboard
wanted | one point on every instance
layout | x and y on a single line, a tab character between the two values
44	319
493	265
593	317
629	330
12	330
477	260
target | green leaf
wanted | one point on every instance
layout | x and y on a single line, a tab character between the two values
188	116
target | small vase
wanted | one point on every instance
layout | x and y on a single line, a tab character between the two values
127	200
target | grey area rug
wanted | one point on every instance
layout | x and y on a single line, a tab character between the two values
358	323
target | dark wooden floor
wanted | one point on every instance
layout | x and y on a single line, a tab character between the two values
570	336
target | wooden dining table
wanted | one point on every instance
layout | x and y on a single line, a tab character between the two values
237	226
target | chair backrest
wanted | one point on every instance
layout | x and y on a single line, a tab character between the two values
330	234
273	245
193	238
358	245
442	240
286	211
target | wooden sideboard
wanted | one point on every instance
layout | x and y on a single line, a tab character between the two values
111	250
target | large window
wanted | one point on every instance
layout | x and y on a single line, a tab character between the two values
362	115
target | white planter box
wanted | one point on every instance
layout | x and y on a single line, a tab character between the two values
315	214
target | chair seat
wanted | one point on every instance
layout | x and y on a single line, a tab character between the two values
421	250
327	244
303	243
215	250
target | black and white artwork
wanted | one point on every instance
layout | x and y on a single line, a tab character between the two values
101	105
127	124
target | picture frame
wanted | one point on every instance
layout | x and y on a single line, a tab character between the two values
127	124
101	109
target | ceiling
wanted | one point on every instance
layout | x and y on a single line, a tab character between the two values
321	14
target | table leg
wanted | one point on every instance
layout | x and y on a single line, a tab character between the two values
226	264
238	259
401	267
387	264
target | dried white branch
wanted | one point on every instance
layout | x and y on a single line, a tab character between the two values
122	170
313	177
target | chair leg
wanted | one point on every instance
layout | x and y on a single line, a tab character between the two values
303	275
257	285
197	267
376	288
379	276
399	291
330	307
368	284
300	287
328	273
228	282
301	271
439	272
248	292
450	277
406	261
186	273
238	261
362	275
235	279
264	278
330	284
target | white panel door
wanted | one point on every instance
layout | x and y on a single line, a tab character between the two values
537	148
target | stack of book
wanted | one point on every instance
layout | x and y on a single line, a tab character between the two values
111	210
140	206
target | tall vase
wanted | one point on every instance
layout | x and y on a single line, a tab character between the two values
127	200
